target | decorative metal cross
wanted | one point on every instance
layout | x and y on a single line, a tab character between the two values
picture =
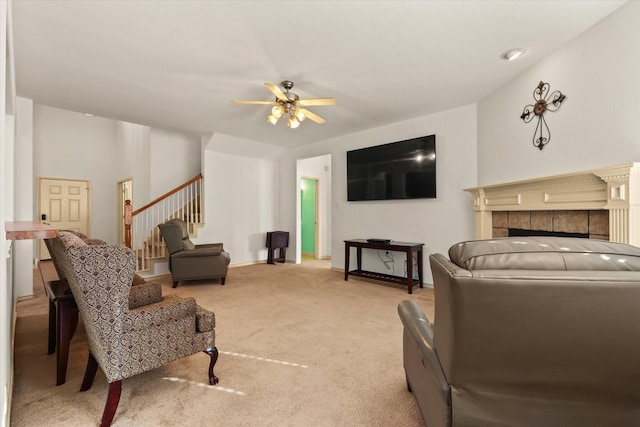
542	135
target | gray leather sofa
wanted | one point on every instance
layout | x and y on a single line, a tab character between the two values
528	331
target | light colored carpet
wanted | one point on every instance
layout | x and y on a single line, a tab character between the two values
298	346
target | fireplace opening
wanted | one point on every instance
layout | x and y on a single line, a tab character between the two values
517	232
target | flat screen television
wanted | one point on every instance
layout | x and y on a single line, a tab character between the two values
398	170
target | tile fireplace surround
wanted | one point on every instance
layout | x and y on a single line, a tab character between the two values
580	202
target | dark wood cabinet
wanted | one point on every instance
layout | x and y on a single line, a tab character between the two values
277	240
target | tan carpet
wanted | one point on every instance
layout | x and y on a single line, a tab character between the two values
298	346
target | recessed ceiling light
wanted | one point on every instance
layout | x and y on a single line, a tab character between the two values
512	54
89	114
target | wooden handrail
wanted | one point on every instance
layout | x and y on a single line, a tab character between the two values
161	198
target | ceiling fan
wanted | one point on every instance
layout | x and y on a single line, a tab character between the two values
289	104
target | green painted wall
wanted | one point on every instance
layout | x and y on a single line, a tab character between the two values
308	220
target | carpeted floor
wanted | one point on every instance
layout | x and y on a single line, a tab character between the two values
298	346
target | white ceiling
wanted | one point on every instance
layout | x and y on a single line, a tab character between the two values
178	64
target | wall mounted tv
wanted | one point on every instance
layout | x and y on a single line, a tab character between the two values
398	170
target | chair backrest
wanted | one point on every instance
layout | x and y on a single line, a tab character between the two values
100	278
541	320
176	235
78	234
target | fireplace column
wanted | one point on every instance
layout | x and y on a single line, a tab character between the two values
623	203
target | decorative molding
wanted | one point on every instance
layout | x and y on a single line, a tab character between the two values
577	196
615	188
503	201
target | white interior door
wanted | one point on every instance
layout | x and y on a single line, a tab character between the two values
63	204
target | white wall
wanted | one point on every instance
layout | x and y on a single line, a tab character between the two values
241	196
24	251
174	160
320	168
133	148
7	102
597	125
72	145
438	223
68	144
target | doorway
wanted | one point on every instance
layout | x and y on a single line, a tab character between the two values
64	205
309	217
125	192
313	174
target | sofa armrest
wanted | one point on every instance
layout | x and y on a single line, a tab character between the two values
420	330
144	294
169	308
198	252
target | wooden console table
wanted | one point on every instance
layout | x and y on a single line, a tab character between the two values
407	248
63	320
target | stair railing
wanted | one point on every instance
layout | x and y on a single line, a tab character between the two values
141	225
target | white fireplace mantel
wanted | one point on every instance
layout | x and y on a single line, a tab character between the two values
616	189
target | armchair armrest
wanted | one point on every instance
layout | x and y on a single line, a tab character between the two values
210	246
169	308
198	252
420	330
205	320
144	294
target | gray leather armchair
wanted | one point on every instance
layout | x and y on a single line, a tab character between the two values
528	331
192	262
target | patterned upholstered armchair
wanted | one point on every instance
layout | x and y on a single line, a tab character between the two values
127	335
192	262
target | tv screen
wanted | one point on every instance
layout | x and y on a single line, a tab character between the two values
398	170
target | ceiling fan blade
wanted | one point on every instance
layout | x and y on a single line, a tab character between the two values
235	101
317	101
277	92
313	116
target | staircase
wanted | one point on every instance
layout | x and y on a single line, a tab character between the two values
141	225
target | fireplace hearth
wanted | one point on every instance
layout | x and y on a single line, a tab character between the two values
516	232
593	224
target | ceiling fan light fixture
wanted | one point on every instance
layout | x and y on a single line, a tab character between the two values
289	105
277	111
293	122
272	119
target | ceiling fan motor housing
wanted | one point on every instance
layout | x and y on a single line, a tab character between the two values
287	84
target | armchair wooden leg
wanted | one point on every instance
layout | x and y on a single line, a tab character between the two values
113	398
89	373
175	283
213	353
222	279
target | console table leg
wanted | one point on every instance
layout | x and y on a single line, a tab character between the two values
347	250
52	327
419	254
410	271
